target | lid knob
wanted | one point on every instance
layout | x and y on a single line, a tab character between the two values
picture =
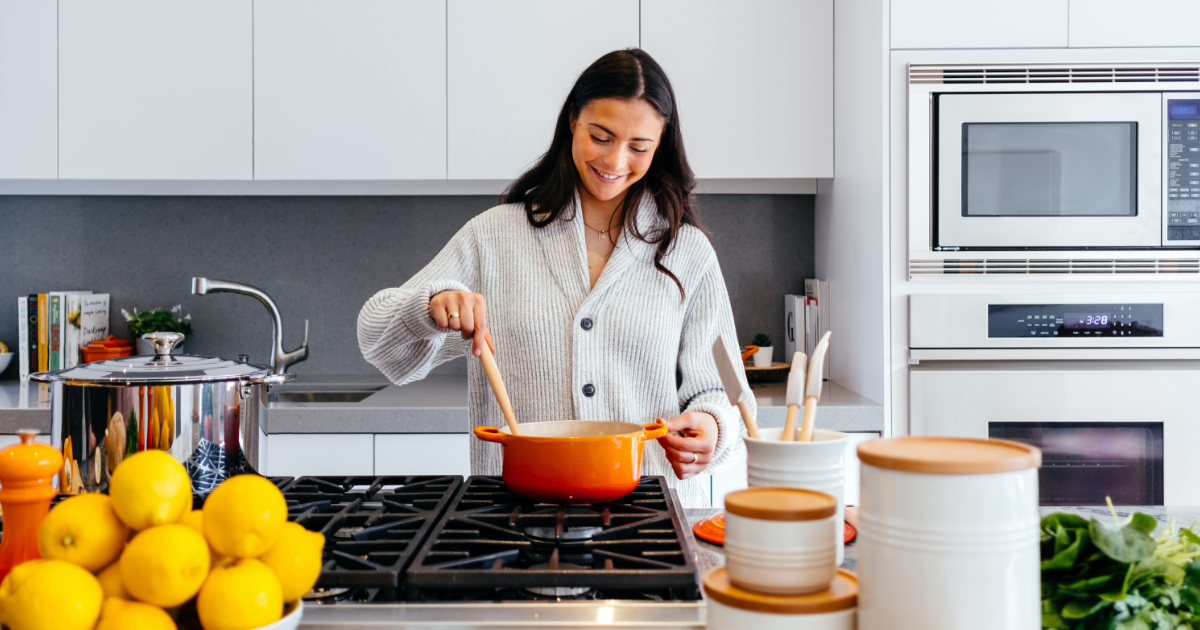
164	343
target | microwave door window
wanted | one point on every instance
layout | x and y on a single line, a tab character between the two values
1062	169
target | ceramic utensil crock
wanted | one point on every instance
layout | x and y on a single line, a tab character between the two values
209	413
573	461
777	540
729	607
817	465
948	535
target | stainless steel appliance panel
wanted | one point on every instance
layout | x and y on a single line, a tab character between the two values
961	321
966	398
1049	170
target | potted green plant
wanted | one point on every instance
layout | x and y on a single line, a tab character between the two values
158	320
762	358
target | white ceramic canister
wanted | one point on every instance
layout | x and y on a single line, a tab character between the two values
777	540
817	465
948	535
728	607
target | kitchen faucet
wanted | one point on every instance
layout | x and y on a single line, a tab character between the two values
280	360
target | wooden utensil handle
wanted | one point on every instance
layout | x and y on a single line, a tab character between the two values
789	425
810	415
748	418
493	376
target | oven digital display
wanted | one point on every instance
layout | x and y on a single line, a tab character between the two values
1075	321
1086	321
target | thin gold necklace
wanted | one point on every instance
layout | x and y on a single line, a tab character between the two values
602	234
602	261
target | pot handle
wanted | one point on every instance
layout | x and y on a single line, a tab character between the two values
655	430
491	434
270	379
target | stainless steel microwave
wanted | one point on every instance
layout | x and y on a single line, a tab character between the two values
1056	159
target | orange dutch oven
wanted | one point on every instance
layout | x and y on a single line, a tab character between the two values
573	461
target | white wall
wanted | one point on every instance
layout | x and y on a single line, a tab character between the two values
851	210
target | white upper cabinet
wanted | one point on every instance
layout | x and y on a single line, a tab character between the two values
28	89
155	90
511	65
980	23
754	83
350	90
1103	23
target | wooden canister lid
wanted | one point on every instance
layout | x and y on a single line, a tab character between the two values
842	594
781	504
949	455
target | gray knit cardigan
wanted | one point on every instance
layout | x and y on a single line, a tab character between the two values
646	353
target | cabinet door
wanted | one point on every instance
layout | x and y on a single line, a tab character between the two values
155	90
1111	23
28	89
754	82
979	24
350	90
423	454
332	454
511	65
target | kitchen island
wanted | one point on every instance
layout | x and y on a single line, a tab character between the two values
601	614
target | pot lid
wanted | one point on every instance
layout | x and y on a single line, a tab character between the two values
841	595
940	455
164	368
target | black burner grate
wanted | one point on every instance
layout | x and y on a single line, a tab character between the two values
492	541
372	525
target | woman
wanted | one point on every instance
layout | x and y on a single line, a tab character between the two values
593	284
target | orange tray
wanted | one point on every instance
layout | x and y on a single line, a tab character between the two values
712	529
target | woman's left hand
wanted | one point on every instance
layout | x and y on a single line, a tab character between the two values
691	442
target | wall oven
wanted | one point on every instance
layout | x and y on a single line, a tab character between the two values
1053	158
1107	385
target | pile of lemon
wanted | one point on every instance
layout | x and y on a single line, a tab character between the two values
131	560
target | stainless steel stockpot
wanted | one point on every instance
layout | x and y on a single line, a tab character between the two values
209	413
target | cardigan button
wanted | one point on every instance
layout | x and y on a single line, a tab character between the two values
589	390
586	324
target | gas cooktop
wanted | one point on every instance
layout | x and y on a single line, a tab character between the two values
438	539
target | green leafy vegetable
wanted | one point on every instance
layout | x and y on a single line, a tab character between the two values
1097	576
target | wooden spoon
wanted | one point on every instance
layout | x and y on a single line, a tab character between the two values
494	379
812	393
795	397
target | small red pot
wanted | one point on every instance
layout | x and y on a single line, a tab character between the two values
573	461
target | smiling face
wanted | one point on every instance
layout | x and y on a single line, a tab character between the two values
613	143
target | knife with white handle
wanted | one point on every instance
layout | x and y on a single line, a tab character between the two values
795	396
812	392
733	385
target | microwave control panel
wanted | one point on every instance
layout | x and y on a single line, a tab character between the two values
1183	170
1080	321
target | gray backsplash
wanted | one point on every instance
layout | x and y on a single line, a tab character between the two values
321	258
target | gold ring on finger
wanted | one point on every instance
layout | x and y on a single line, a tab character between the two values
453	315
695	458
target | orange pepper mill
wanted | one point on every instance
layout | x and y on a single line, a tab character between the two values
26	470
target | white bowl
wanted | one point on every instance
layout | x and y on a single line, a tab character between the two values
291	618
817	465
5	359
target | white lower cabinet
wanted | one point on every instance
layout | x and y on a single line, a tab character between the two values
328	454
423	454
734	477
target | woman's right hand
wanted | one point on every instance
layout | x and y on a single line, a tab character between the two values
471	320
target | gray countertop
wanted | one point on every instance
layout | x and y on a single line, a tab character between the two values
436	404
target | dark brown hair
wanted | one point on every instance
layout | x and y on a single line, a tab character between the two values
548	188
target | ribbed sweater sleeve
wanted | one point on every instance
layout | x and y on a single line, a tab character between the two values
395	331
709	315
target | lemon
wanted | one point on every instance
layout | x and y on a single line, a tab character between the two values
240	595
119	614
110	581
83	530
296	560
3	348
194	521
50	595
150	488
243	516
165	565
